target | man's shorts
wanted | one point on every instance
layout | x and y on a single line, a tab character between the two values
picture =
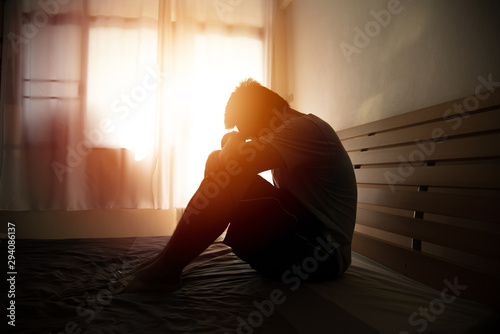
273	232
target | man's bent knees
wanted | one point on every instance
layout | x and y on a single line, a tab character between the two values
215	164
221	182
212	164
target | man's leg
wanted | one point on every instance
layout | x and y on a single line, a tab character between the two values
207	215
272	231
261	218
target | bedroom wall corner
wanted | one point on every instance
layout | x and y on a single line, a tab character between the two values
279	82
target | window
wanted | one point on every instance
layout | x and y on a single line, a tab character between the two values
96	118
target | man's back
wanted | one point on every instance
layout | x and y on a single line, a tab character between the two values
319	173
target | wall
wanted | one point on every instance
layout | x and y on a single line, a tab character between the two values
90	223
424	53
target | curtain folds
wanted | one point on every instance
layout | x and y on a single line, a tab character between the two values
116	104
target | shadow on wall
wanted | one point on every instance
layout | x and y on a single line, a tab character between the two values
386	57
421	54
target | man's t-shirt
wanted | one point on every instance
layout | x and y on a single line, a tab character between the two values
320	174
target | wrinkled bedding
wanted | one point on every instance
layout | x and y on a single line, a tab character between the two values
64	286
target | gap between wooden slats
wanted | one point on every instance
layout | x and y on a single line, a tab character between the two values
419	116
484	176
481	146
469	207
450	236
480	122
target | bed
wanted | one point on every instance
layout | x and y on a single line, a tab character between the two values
64	286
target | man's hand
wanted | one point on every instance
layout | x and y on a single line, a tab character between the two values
214	161
233	135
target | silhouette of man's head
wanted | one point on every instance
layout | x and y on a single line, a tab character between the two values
250	107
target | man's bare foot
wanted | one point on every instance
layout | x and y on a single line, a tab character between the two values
144	264
150	279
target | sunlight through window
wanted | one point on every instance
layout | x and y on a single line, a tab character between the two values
220	63
122	84
122	87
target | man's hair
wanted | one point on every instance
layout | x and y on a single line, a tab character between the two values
251	97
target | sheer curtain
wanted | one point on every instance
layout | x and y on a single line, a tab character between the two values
116	104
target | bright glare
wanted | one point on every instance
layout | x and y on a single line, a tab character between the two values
220	63
138	138
122	89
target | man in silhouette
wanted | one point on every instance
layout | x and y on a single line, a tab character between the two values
299	228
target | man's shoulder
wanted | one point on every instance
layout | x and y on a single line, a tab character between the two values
305	121
316	125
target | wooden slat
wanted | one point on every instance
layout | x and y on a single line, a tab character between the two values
469	207
423	115
466	154
481	122
429	269
481	176
485	244
451	149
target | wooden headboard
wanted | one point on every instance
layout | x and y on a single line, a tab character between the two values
429	193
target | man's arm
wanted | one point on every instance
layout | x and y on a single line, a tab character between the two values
214	163
243	161
253	156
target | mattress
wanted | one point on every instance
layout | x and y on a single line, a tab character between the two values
64	286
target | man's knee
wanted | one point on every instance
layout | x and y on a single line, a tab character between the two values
213	153
212	164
